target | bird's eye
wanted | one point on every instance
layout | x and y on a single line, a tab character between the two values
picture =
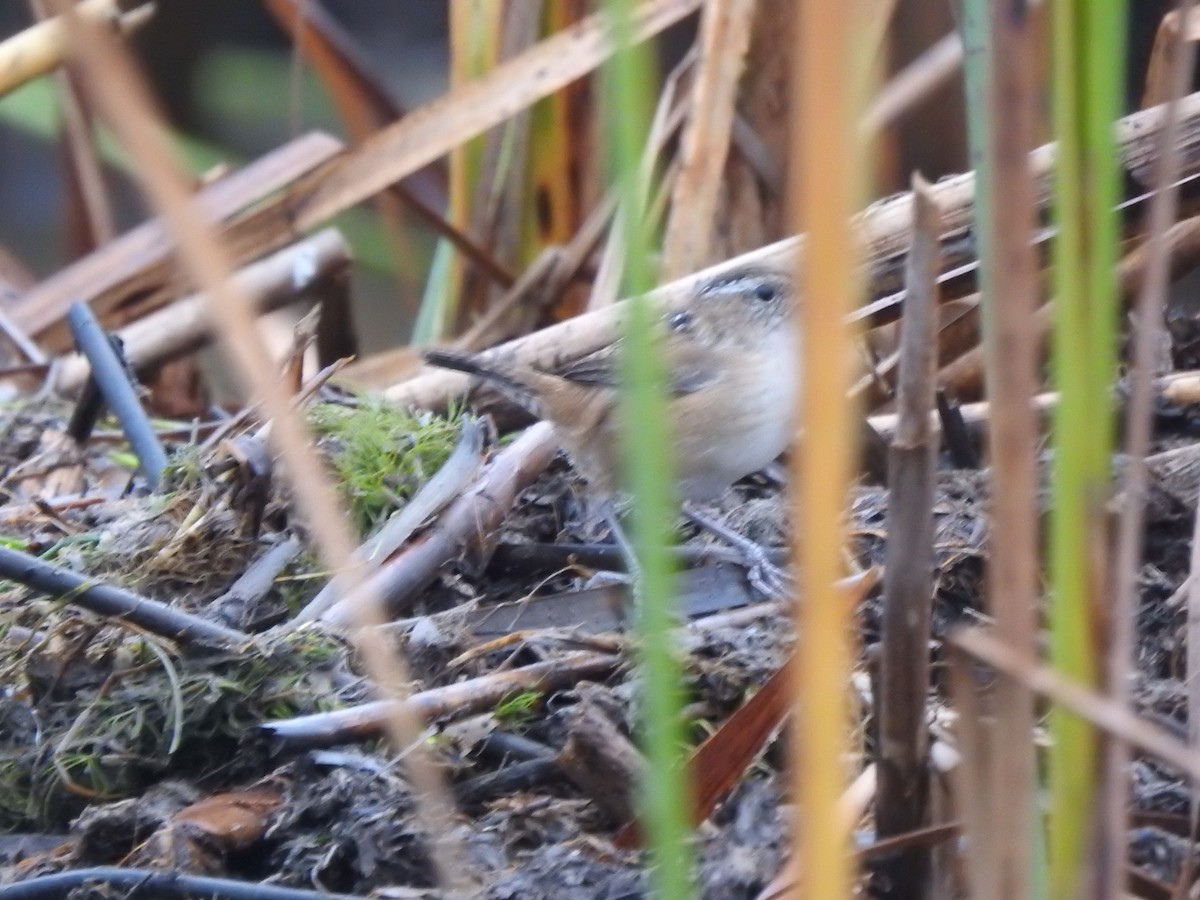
765	292
680	321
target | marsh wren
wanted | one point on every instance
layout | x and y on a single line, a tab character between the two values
730	353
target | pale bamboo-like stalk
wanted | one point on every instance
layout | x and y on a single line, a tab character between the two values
186	325
826	177
724	39
41	48
884	228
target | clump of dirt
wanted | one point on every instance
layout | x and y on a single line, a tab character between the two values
348	829
113	713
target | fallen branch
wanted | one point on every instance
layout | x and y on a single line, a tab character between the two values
367	720
450	481
469	524
885	228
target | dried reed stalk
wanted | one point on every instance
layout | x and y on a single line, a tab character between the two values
902	687
122	98
283	278
1148	327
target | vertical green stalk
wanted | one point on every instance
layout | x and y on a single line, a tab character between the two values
646	436
1088	81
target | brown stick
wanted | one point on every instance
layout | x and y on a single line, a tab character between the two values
365	106
1083	701
602	762
473	108
903	683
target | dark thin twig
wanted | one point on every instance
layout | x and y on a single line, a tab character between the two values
509	780
113	380
505	744
955	434
150	882
90	404
107	600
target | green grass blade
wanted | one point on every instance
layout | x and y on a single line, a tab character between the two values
1088	79
628	82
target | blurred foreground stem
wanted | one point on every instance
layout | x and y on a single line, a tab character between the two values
646	437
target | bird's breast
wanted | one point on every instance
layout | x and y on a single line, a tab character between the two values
740	423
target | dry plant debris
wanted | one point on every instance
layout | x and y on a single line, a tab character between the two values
231	721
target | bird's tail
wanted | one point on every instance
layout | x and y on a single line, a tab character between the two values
511	380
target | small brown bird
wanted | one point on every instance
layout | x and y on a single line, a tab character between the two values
730	353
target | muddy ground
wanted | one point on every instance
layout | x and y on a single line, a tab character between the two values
122	748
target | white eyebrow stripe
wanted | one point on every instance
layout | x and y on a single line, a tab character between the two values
733	284
737	284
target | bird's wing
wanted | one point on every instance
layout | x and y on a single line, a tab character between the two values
689	366
597	369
